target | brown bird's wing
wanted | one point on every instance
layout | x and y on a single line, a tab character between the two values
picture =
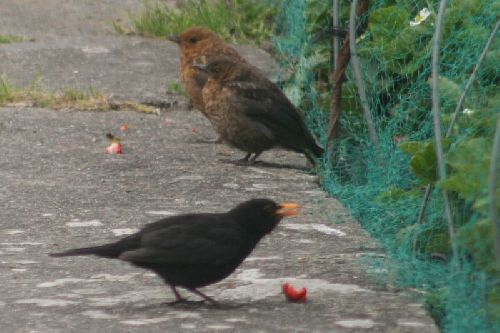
263	102
200	78
204	241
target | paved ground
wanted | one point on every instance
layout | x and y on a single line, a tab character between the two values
58	189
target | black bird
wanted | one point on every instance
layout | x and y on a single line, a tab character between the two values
250	112
195	250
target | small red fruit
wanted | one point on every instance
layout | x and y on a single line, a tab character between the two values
295	295
114	148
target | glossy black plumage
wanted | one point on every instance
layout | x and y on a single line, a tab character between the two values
195	250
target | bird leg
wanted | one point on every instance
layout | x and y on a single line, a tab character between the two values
181	300
205	297
248	159
219	140
178	298
253	159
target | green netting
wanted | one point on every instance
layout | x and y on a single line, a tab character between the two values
384	188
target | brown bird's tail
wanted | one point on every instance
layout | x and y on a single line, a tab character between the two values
314	152
107	251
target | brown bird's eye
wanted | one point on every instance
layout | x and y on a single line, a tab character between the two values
215	69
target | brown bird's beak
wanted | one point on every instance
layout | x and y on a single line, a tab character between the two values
288	209
174	39
200	66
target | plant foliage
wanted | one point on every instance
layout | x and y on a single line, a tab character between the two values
384	191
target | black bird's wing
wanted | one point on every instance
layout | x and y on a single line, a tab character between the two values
211	240
263	102
173	238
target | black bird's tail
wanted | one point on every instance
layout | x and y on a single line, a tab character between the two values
107	251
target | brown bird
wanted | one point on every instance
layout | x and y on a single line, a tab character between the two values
195	250
194	43
250	112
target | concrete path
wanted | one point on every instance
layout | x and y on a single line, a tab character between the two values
58	189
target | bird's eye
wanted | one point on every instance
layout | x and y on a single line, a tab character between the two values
269	208
193	40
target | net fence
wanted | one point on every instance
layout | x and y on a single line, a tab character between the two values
384	186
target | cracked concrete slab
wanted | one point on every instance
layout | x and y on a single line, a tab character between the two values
59	189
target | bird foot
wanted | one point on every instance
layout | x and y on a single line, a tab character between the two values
211	141
245	162
180	302
248	160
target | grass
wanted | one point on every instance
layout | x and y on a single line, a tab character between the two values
6	39
92	100
175	87
247	21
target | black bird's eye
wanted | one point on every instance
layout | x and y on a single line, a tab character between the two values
192	40
269	208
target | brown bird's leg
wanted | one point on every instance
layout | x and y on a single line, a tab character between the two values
218	140
205	297
248	159
212	141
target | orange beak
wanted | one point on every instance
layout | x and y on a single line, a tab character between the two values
288	209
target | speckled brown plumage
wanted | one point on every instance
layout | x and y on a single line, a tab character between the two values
250	112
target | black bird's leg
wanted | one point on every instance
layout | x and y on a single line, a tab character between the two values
207	298
253	159
178	298
245	159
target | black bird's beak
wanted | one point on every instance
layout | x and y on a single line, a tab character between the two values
174	39
288	209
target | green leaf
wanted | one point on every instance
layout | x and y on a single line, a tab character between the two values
409	51
424	164
386	23
470	163
493	306
395	193
412	147
448	89
478	239
428	239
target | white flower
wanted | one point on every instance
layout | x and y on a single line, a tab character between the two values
421	17
468	111
360	38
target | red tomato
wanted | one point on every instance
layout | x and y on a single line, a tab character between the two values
114	148
295	295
